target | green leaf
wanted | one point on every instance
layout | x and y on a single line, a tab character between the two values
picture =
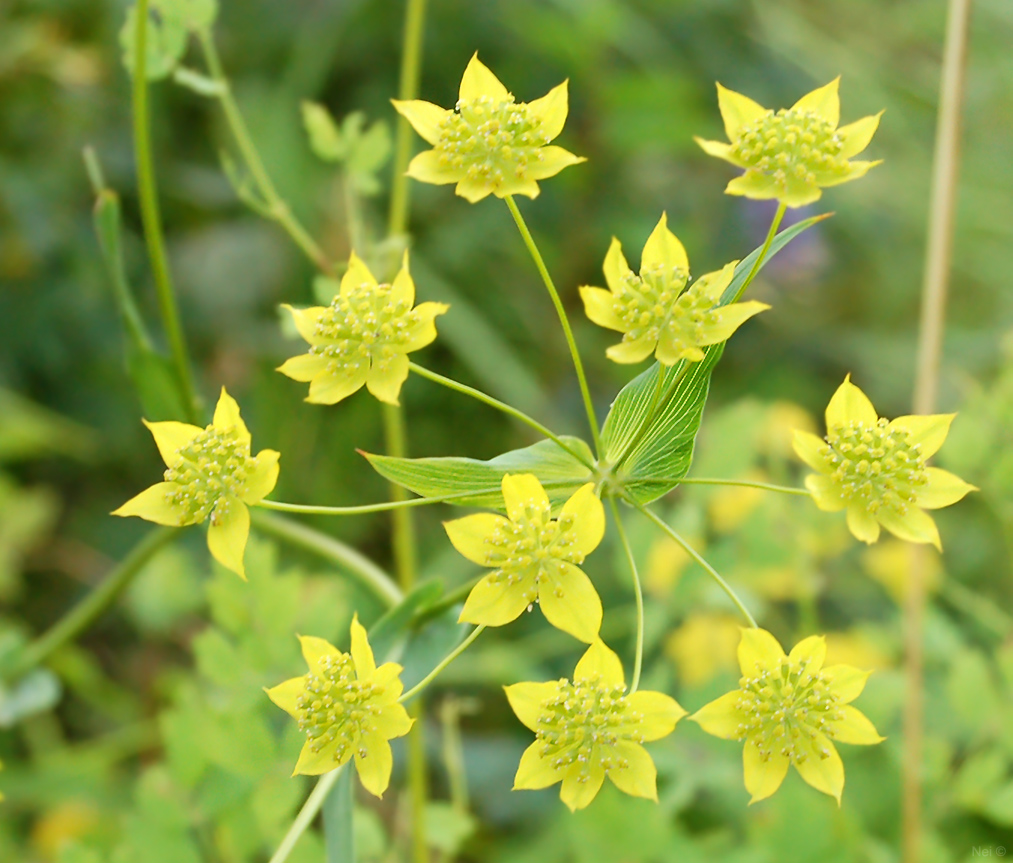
387	634
558	471
447	827
649	462
326	139
339	832
164	42
37	692
195	15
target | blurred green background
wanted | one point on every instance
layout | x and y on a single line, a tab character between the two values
151	740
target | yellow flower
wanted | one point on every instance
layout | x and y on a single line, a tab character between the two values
794	153
347	708
211	473
363	337
536	558
703	647
489	143
790	710
589	729
876	470
655	311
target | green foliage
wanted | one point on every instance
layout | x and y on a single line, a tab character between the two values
362	152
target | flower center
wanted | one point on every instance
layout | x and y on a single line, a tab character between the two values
785	709
582	723
336	709
875	465
491	141
791	143
208	472
367	326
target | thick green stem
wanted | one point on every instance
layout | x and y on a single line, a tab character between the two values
450	657
85	613
151	219
693	553
450	383
309	811
563	320
638	657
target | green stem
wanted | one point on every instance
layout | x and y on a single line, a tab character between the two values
277	208
151	218
306	815
450	383
563	319
746	483
361	567
638	657
310	509
450	657
771	233
447	601
404	529
693	553
86	612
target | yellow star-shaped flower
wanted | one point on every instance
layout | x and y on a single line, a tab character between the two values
211	475
347	707
589	729
536	558
655	311
794	153
875	468
363	337
789	710
489	143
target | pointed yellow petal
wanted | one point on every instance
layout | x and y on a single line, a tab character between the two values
856	136
286	695
387	678
600	663
855	170
402	289
170	437
227	534
721	717
329	388
362	653
473	190
926	432
357	276
616	269
551	110
810	449
638	777
713	285
823	768
304	367
152	504
846	681
263	478
811	651
312	763
824	101
426	167
862	524
375	766
855	728
799	192
659	713
758	651
942	489
425	117
570	602
599	306
384	379
737	111
671	349
729	319
495	603
663	249
549	161
826	492
914	526
306	321
424	332
754	185
527	700
469	535
479	81
534	771
849	404
227	417
632	351
393	721
762	778
719	149
519	186
523	492
588	517
314	649
577	794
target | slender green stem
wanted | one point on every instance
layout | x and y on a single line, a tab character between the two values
448	600
638	657
771	233
85	613
365	509
450	383
347	558
746	483
563	319
450	657
309	811
405	556
276	206
152	220
693	553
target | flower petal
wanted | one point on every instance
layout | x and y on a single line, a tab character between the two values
387	678
798	192
227	534
306	321
600	663
425	117
329	387
423	332
849	404
588	519
494	602
551	110
659	713
943	488
634	351
713	285
570	602
356	276
549	161
855	170
823	769
825	101
523	492
304	367
856	136
535	771
811	651
719	149
638	777
663	249
721	717
517	186
312	763
527	700
762	778
926	432
473	190
402	289
264	477
729	319
671	349
227	417
577	794
385	378
286	695
599	306
479	81
153	504
754	185
862	524
426	167
362	653
314	649
737	111
393	720
846	681
170	437
469	535
758	651
855	728
915	525
826	492
809	448
375	766
616	269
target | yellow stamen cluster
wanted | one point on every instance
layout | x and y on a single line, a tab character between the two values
786	709
210	470
876	465
491	140
791	143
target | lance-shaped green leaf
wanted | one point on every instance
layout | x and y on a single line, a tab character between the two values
652	450
558	471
